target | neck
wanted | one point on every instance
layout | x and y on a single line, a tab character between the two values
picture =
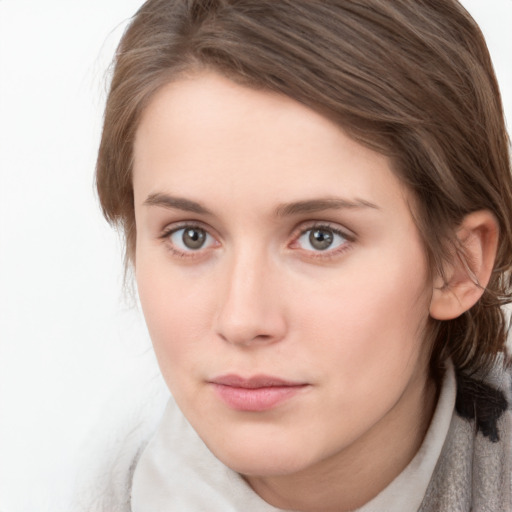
356	474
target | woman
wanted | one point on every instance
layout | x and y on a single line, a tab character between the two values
316	199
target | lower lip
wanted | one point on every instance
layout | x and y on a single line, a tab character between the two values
256	399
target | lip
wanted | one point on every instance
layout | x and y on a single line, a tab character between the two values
255	394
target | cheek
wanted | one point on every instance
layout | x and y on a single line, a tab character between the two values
365	339
369	322
177	314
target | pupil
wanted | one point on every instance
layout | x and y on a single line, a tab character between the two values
320	239
194	238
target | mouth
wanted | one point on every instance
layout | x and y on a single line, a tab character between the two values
255	394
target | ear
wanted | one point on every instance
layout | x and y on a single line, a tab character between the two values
469	272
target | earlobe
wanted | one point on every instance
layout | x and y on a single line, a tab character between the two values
467	275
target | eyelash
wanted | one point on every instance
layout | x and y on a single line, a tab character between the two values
170	230
328	254
296	235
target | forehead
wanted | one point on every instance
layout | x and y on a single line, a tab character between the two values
207	134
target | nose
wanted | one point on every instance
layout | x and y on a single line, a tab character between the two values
250	309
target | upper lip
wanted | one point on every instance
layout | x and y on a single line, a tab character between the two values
254	382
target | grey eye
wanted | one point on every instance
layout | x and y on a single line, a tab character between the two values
193	238
321	239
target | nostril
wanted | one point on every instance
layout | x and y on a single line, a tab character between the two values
249	335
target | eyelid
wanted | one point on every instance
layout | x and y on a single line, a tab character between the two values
169	229
328	225
175	226
303	228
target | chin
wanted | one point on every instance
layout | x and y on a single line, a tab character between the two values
253	458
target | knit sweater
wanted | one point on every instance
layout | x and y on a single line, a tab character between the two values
464	463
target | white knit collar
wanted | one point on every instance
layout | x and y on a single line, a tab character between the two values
178	472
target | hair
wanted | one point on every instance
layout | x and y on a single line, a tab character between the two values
411	79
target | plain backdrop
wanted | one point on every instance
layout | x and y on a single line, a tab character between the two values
69	339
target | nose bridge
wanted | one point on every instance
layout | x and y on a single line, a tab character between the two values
249	308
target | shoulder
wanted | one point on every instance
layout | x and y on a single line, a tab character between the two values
474	471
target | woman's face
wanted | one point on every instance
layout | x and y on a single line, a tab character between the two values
281	275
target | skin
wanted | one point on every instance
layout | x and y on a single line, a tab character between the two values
258	298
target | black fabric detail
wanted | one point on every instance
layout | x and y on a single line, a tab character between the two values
482	403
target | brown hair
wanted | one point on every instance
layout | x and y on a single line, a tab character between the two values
410	78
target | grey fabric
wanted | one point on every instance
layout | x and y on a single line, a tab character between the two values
474	471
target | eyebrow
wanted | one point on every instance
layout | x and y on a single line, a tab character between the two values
283	210
176	203
318	205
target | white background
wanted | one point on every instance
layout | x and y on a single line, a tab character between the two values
69	340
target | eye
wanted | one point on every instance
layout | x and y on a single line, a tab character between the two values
190	238
321	238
